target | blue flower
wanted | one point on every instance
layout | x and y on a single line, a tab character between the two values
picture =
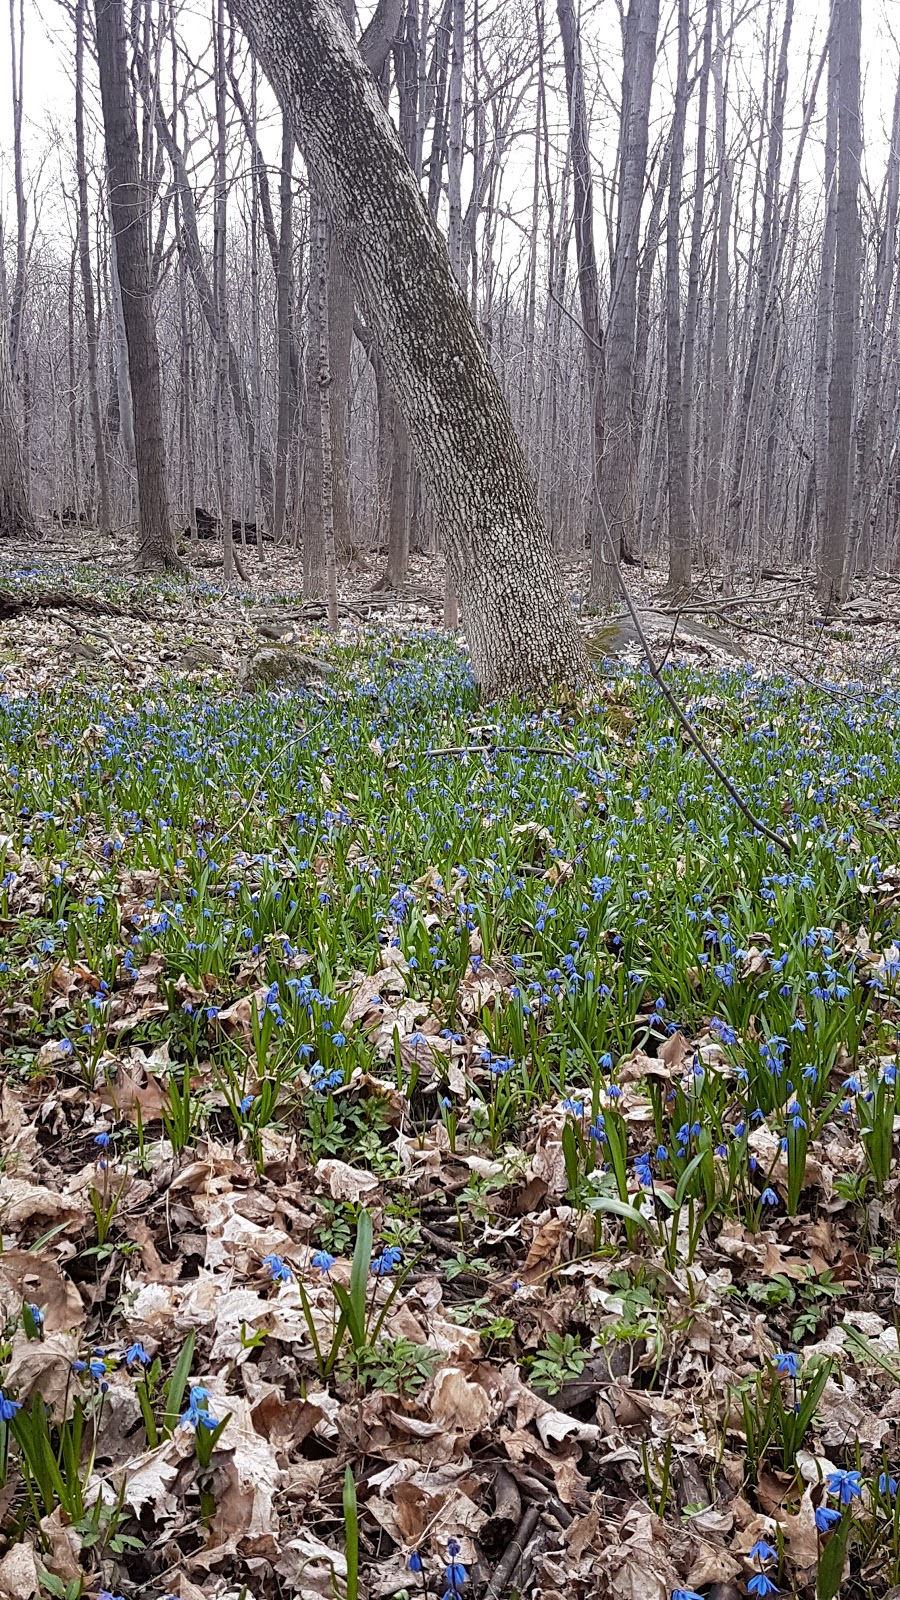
845	1485
279	1271
384	1264
246	1103
762	1551
414	1561
887	1484
101	1139
324	1260
455	1575
769	1197
686	1594
826	1517
97	1368
761	1584
197	1414
788	1362
136	1355
8	1408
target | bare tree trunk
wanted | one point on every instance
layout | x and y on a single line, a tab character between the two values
17	66
321	261
15	517
283	324
223	414
720	311
617	483
676	437
156	543
845	316
520	629
864	505
313	544
92	339
825	290
588	280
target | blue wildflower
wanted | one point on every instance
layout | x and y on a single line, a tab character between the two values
762	1584
384	1264
826	1517
136	1355
845	1485
324	1261
8	1408
278	1270
787	1361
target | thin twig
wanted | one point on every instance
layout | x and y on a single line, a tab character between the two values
655	673
499	750
513	1555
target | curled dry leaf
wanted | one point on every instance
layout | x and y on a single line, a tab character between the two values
22	1202
19	1572
37	1278
344	1182
44	1367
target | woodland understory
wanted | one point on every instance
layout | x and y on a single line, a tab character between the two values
445	1148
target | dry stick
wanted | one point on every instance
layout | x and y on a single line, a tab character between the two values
672	703
513	1555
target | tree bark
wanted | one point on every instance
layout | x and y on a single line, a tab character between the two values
520	629
321	257
617	484
156	543
92	340
284	335
845	317
677	438
588	279
15	517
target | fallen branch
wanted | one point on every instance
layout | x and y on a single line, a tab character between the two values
503	1572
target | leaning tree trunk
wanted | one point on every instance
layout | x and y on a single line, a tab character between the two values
156	542
520	629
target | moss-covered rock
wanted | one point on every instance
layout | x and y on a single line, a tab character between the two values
280	666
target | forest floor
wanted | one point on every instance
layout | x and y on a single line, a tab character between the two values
445	1149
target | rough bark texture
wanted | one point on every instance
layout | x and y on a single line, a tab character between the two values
588	277
283	320
676	435
846	304
92	339
519	626
617	485
14	515
321	261
156	542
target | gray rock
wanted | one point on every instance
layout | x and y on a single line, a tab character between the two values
279	666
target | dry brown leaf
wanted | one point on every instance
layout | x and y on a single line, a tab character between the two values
62	1547
344	1182
44	1367
458	1402
22	1202
37	1278
546	1249
19	1572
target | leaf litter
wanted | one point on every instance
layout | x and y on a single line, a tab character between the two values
514	1132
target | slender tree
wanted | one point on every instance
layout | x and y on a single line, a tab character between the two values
845	308
156	541
588	276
